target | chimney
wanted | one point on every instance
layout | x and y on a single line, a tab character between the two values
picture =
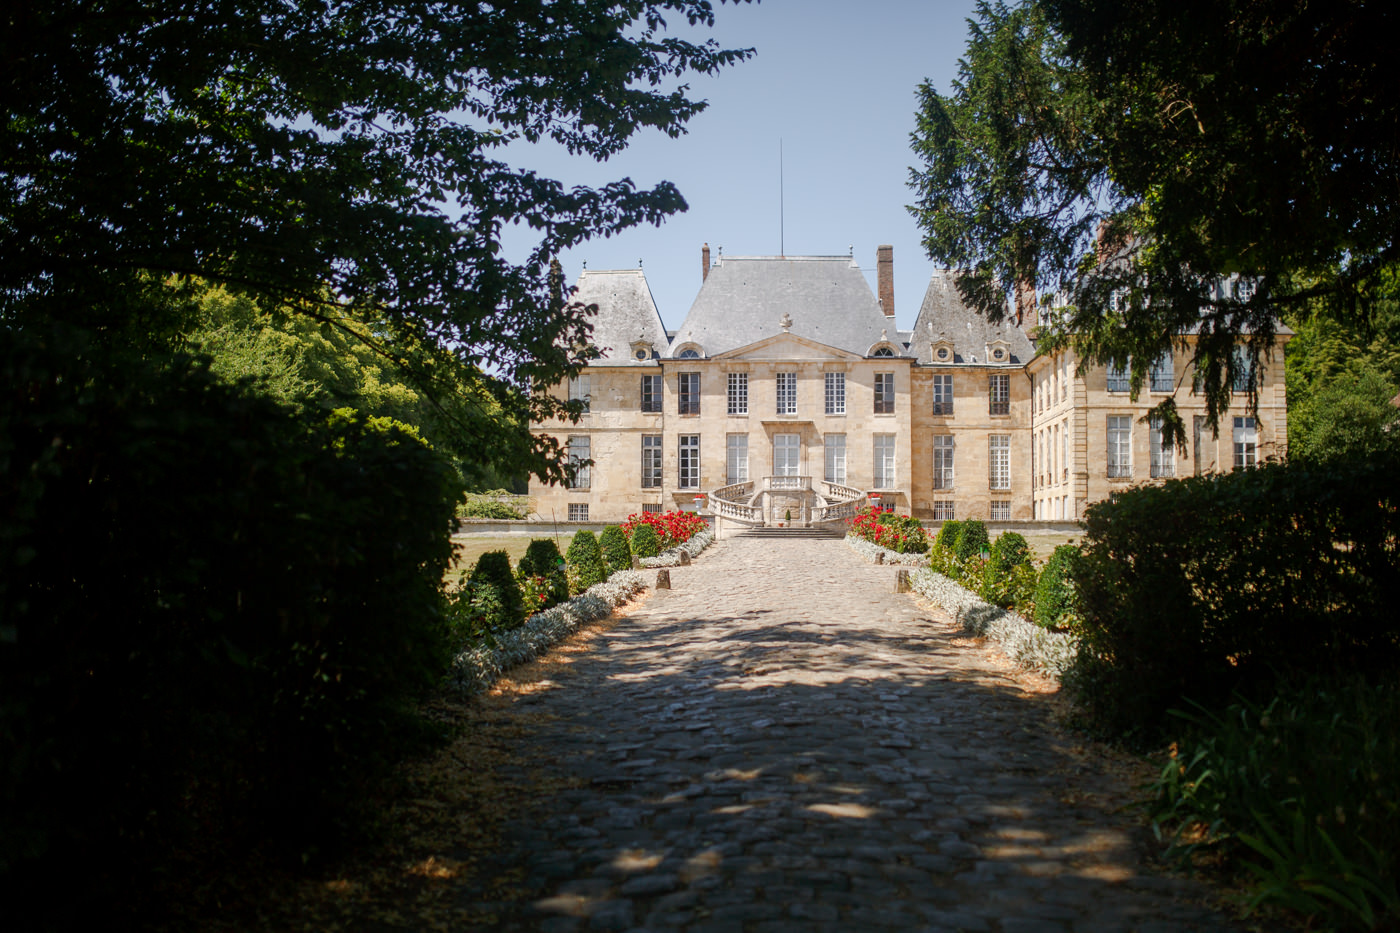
704	263
1027	311
884	264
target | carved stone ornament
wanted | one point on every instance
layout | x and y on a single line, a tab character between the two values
785	322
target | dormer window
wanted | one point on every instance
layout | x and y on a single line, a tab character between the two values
883	352
642	350
999	351
943	351
690	351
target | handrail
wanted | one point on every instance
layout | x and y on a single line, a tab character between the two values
787	482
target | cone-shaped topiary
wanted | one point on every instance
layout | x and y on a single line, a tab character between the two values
645	542
972	539
543	562
1009	551
948	534
495	595
1054	593
617	553
585	560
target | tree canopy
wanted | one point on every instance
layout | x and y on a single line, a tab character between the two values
1167	169
333	159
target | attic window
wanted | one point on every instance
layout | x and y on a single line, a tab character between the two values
640	354
944	353
883	352
689	353
998	354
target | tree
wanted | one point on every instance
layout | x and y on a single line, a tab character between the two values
335	160
1135	157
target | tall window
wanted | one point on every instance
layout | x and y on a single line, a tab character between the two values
738	393
884	461
579	390
999	460
1120	446
689	471
835	393
1117	377
1163	376
1064	379
1064	451
787	393
651	461
835	458
578	460
1244	370
943	510
1198	428
688	394
884	393
1163	456
942	395
1246	443
787	455
736	458
651	393
943	461
1001	510
999	392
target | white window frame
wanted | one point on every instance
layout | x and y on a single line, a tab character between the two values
943	510
943	453
943	394
688	462
999	461
687	393
1163	455
884	468
884	393
738	394
1245	437
1001	510
785	393
580	447
579	391
578	511
1116	378
652	393
1119	435
835	393
1162	377
736	458
652	461
834	458
999	394
789	463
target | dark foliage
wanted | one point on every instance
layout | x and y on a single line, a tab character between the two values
213	616
972	540
617	553
1054	593
1009	551
1208	585
495	594
947	536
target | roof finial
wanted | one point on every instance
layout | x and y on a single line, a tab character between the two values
639	263
785	322
585	263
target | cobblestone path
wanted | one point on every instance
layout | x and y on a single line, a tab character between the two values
781	743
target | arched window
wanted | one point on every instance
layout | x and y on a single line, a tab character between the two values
689	353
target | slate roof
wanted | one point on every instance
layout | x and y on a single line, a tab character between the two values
626	313
744	298
943	315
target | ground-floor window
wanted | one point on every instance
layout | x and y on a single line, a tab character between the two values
787	455
578	459
736	459
1120	446
943	510
884	461
835	458
999	459
1246	442
1001	510
651	461
689	462
1163	456
943	461
649	508
578	511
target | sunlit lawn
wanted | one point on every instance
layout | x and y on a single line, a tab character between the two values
470	547
1043	544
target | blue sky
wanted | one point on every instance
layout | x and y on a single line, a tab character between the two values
835	83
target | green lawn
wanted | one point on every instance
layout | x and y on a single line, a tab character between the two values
1043	544
470	547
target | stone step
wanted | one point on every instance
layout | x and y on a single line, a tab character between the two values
771	531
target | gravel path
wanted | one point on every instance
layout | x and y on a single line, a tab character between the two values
782	743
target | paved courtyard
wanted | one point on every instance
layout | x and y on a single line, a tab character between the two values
783	743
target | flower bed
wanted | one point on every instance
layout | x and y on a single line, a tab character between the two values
874	553
477	668
672	557
672	528
883	527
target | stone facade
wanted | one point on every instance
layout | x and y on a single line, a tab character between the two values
790	367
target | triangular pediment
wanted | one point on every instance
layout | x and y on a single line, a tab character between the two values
787	347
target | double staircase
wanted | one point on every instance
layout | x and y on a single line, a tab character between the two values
786	505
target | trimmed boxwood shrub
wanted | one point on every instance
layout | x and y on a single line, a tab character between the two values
1205	586
1009	551
1054	593
972	539
542	571
585	560
495	594
645	541
947	536
617	553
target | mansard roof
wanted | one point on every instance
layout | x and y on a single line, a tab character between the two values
943	317
626	316
745	299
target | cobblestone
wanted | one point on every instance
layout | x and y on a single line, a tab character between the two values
781	742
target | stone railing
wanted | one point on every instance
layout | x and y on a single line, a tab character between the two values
724	503
839	492
787	483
